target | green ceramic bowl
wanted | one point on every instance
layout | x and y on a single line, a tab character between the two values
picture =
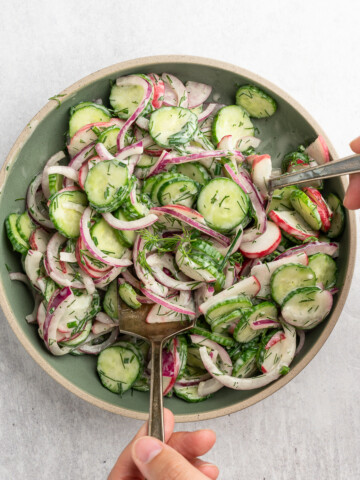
44	135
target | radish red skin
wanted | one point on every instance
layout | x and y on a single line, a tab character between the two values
325	215
289	229
159	89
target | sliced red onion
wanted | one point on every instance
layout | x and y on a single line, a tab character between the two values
170	366
148	88
54	160
129	278
209	110
56	309
230	276
143	275
109	276
84	154
32	206
139	224
68	257
311	248
198	93
53	263
201	295
165	303
301	335
103	152
67	172
334	290
20	277
187	216
96	349
102	317
32	317
32	266
85	223
264	323
102	328
179	89
288	352
159	263
254	196
134	149
143	123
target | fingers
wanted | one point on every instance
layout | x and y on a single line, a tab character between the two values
157	461
125	467
193	444
208	469
355	145
352	197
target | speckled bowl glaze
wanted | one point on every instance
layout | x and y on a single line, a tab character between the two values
44	135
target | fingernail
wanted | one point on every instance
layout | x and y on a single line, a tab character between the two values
146	448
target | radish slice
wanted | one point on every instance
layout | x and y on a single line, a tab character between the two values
39	239
86	135
318	150
244	143
162	314
311	248
301	335
170	97
143	123
139	224
90	245
170	366
261	168
159	89
32	206
32	266
179	89
287	355
273	352
209	110
54	160
138	81
324	211
264	323
185	216
264	244
230	276
263	272
248	286
198	93
293	224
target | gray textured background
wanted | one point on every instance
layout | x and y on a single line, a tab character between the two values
309	429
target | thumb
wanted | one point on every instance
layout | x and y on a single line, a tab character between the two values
157	461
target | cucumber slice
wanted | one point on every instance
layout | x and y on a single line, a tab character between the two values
118	368
179	191
172	126
189	394
74	342
255	101
85	113
231	120
65	210
148	184
18	243
111	300
106	185
126	237
128	295
146	161
195	171
280	199
106	239
135	209
223	204
325	269
221	339
289	277
306	307
338	219
222	324
25	226
239	302
142	384
243	332
182	348
208	249
245	364
193	357
206	263
306	208
125	99
55	183
160	180
50	287
108	137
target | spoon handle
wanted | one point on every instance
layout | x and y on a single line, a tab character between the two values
156	414
345	166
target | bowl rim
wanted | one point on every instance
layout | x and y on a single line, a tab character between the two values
176	59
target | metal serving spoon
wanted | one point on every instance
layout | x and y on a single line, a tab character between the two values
345	166
133	322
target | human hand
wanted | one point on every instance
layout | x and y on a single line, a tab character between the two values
352	197
147	457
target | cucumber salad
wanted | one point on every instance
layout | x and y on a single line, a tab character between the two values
161	198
